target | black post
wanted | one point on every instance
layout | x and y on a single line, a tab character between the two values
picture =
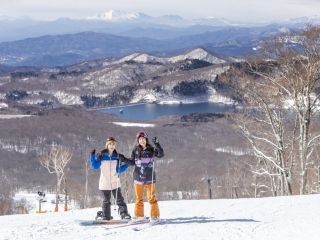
41	196
39	205
209	187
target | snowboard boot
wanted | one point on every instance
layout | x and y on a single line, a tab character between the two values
107	218
99	215
125	215
154	220
102	216
106	209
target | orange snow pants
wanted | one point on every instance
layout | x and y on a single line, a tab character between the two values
151	196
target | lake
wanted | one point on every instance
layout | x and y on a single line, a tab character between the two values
149	111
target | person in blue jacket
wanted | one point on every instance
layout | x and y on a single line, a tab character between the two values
111	164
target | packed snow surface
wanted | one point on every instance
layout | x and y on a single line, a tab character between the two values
285	218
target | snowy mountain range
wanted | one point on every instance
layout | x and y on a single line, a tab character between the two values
199	54
315	19
138	77
117	15
68	49
171	20
114	34
130	24
286	218
121	16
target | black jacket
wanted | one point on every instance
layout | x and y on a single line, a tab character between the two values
143	161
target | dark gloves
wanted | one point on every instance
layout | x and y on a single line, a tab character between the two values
158	149
99	155
122	158
155	140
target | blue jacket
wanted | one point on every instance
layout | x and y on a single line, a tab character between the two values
110	166
95	161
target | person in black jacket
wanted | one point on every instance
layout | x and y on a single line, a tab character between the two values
142	158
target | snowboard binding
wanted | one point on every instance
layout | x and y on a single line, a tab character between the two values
99	215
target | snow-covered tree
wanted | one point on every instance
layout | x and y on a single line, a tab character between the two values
282	86
55	160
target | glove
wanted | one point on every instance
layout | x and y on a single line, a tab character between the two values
121	157
155	140
100	154
93	151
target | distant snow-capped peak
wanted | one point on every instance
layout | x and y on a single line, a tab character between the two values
315	19
142	58
123	16
7	18
117	15
213	21
171	17
197	53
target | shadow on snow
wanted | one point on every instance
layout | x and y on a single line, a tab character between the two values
203	220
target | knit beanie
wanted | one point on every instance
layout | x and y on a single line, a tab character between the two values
141	134
109	140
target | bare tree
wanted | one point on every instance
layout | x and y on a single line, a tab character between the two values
297	78
55	161
264	128
265	132
86	169
289	78
6	201
316	173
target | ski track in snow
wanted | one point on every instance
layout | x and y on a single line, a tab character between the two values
285	218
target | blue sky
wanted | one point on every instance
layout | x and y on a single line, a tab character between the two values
236	10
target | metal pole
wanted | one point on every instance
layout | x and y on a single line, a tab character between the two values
65	195
39	205
209	188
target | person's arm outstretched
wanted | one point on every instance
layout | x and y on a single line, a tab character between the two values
122	164
158	151
95	161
